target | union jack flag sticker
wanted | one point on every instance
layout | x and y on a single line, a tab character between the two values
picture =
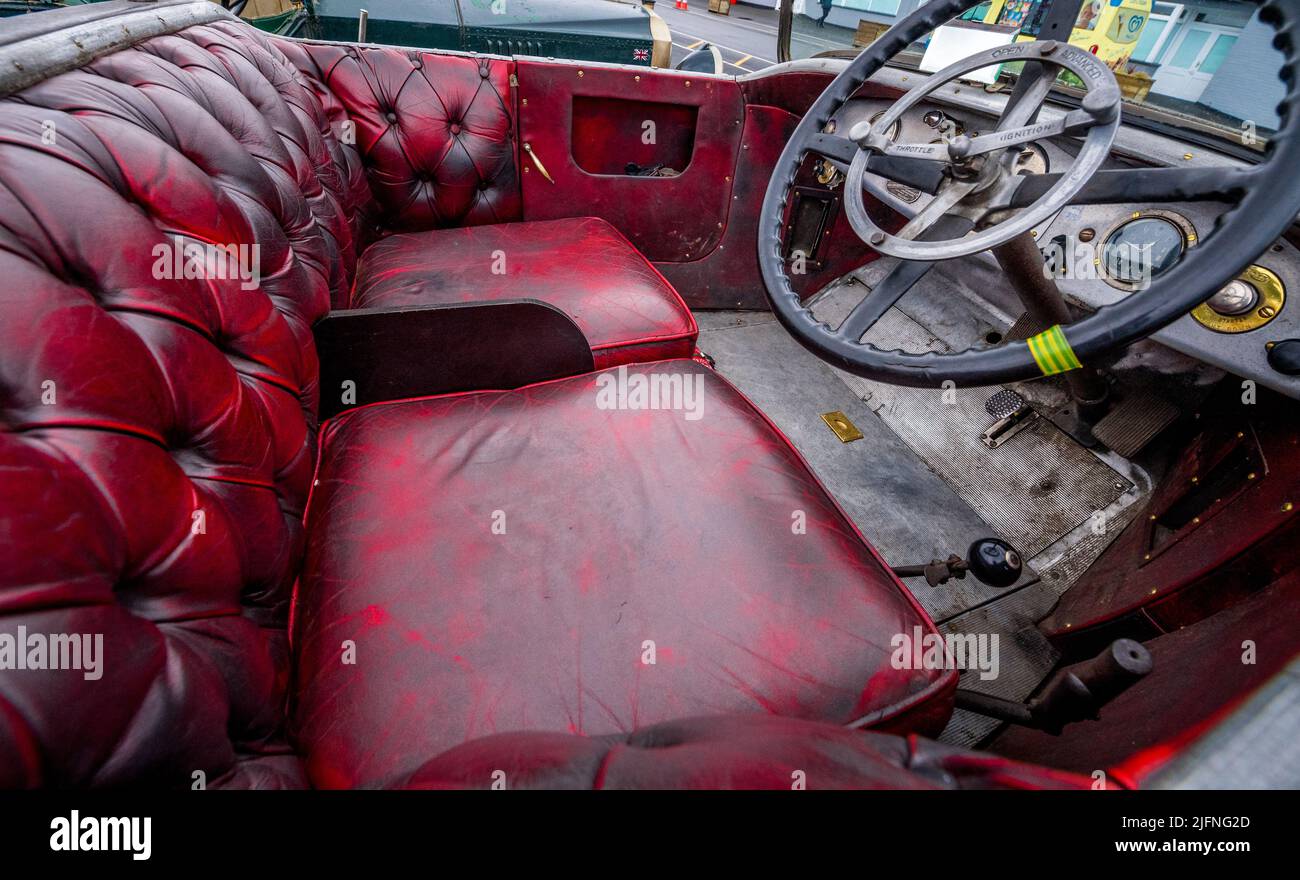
640	54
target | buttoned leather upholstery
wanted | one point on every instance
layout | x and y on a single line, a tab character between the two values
540	559
434	133
434	137
583	266
157	442
157	449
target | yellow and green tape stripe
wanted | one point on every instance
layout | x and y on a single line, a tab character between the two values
1052	351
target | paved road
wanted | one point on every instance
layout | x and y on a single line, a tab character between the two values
746	38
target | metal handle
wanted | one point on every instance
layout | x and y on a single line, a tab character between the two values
528	148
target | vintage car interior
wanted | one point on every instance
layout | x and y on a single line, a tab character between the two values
393	418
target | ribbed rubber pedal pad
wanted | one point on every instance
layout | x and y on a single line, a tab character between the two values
1134	422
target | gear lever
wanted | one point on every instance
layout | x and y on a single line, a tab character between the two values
993	562
1075	693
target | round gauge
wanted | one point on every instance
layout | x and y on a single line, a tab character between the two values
892	134
1032	160
1144	247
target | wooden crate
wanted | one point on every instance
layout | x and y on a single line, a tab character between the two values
868	32
721	7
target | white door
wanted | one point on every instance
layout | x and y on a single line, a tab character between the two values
1192	60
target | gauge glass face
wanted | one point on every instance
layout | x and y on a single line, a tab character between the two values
1142	249
892	134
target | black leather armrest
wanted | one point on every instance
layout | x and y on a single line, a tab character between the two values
371	355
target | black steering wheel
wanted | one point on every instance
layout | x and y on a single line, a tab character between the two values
973	182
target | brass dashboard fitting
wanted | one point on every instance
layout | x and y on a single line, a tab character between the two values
1272	295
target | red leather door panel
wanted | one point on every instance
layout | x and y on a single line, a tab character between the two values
669	219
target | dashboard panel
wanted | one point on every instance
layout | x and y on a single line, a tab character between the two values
1101	254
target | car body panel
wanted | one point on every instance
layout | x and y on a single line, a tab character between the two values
589	30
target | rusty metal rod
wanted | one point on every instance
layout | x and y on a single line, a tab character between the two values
1022	263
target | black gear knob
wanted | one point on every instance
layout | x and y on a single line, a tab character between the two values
994	562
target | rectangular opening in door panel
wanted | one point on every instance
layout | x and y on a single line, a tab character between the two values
617	136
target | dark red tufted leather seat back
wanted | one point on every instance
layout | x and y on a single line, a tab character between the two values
157	430
434	133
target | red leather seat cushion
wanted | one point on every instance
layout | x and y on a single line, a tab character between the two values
582	266
498	561
729	751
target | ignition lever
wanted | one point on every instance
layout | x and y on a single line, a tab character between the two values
1012	413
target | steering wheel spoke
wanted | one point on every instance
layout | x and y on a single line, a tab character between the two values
920	174
898	281
928	219
882	297
1027	99
1127	185
839	150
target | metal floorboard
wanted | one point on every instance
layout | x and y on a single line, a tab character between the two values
921	485
907	512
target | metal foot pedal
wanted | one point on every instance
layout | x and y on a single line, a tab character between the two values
1012	413
1134	422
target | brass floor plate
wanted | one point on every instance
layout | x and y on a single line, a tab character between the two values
842	426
